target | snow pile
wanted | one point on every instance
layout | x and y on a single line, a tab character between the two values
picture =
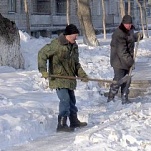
29	109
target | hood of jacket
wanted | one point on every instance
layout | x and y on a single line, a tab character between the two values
62	39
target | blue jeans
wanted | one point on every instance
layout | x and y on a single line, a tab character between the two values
67	102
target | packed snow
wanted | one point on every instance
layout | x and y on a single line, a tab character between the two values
29	109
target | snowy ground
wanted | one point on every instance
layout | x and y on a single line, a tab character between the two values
29	109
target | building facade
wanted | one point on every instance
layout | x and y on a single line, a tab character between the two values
46	16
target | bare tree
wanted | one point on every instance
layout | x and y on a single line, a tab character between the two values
84	15
68	12
146	20
122	10
10	54
129	7
141	15
27	17
104	19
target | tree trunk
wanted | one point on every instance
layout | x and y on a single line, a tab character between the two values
10	54
68	12
27	17
141	15
104	19
129	7
122	10
84	15
146	19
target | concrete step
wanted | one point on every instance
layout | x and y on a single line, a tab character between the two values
141	83
137	88
141	79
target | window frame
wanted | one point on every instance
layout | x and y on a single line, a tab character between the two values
11	6
61	11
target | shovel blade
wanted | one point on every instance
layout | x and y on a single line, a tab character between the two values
125	79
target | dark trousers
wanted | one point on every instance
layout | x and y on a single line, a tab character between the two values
67	104
118	74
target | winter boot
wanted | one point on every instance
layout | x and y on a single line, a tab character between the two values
62	125
125	99
110	97
113	91
74	122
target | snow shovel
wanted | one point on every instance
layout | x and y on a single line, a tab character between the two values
130	71
121	81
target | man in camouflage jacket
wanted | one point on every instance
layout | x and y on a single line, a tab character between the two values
63	57
121	57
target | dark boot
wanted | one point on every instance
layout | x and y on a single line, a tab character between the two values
74	122
125	99
110	97
113	91
62	125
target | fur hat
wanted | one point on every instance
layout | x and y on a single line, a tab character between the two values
71	29
127	19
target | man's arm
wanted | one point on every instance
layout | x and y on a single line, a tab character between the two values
122	52
42	58
43	55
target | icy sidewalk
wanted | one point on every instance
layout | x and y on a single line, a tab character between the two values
112	127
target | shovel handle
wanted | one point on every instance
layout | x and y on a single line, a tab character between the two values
89	79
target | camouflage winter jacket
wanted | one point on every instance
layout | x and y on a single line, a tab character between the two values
63	60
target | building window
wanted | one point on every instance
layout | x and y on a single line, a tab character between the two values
61	7
99	6
131	8
22	9
43	6
12	6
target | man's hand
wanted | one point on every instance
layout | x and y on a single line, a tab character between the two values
133	66
85	79
139	34
45	75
